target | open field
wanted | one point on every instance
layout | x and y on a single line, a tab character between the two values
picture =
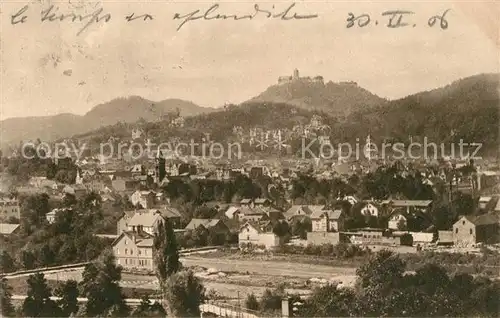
228	278
268	267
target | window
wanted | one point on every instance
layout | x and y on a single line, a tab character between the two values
126	242
126	261
470	231
126	251
117	251
139	251
463	222
131	252
456	230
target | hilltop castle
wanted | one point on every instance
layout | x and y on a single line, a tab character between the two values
296	78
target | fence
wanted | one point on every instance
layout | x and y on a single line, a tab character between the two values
227	310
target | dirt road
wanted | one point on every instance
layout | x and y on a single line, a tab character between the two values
270	268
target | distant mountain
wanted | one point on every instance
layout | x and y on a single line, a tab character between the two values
337	99
127	110
466	109
132	108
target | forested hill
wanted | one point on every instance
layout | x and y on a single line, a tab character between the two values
467	109
336	99
126	110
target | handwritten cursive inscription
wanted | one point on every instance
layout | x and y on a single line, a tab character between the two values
50	15
19	16
211	14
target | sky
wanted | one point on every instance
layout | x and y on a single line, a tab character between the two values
46	68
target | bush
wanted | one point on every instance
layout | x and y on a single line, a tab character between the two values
251	302
271	299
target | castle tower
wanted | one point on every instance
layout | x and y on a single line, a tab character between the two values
295	74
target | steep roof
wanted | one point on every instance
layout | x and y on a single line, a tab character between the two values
333	215
207	223
497	207
128	214
408	203
261	200
294	210
7	229
254	225
250	211
486	219
231	211
145	217
141	239
485	199
170	212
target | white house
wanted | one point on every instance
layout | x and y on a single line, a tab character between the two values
251	233
327	221
133	250
395	220
484	202
350	198
370	209
232	212
146	199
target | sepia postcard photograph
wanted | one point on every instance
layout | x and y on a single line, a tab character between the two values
313	158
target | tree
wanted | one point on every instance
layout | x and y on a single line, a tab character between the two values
28	259
376	279
46	255
69	200
300	227
184	294
329	301
271	299
165	257
281	229
146	309
6	262
165	251
100	284
382	270
38	302
33	211
215	238
251	302
6	298
68	292
200	236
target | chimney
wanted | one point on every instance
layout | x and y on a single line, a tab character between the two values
285	308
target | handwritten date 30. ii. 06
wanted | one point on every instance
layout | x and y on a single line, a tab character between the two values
395	19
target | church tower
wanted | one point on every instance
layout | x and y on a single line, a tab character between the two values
295	74
78	180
